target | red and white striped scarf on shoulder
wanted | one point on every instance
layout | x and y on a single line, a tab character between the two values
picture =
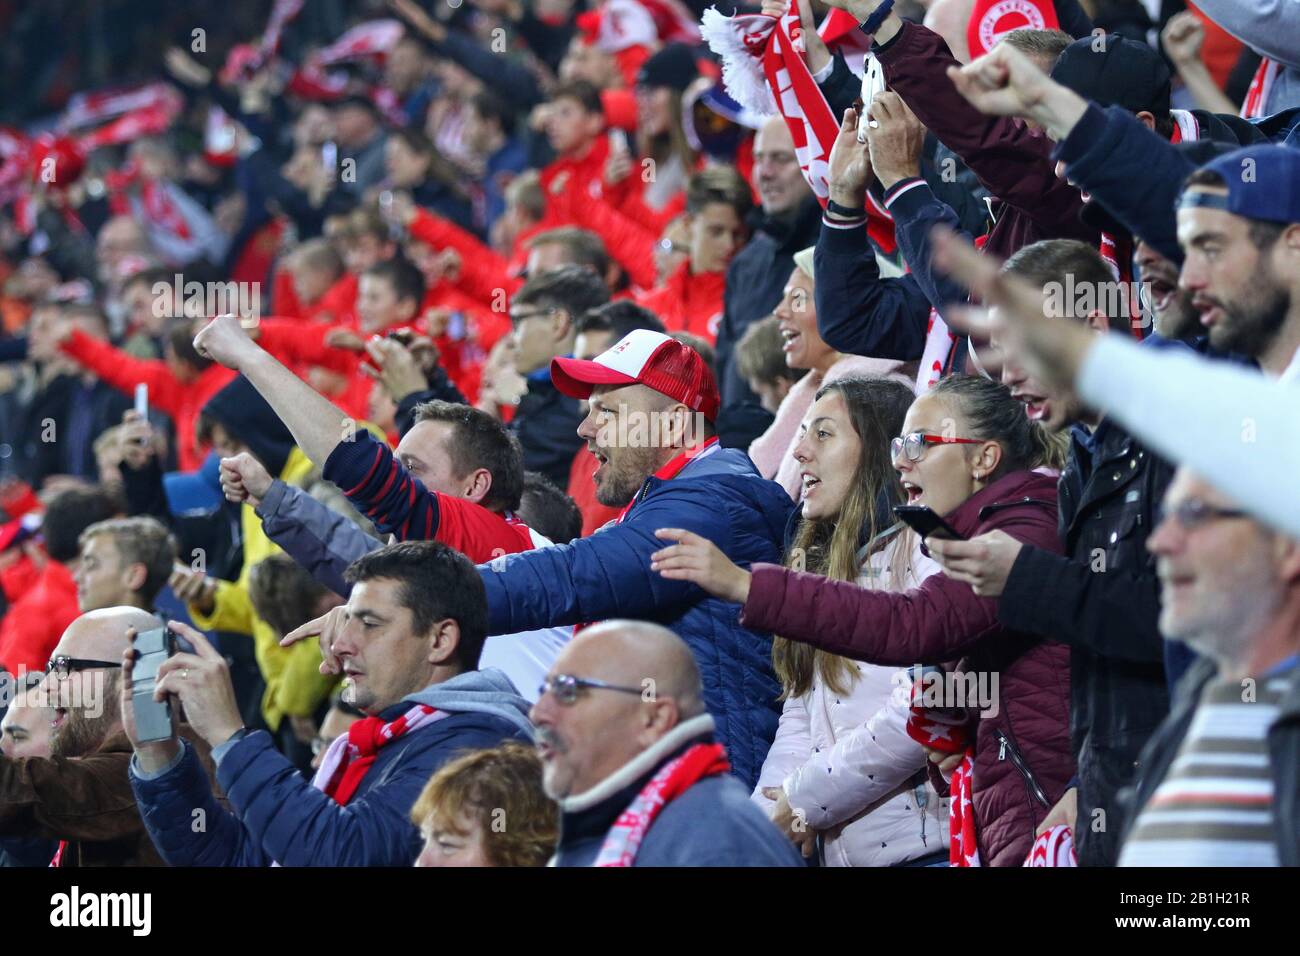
673	779
351	755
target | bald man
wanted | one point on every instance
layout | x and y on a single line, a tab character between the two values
80	795
628	751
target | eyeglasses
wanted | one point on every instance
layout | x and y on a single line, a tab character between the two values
565	687
517	317
914	445
62	665
1193	514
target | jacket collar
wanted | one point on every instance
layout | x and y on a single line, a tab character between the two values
1015	489
639	767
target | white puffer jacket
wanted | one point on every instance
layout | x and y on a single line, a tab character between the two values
847	762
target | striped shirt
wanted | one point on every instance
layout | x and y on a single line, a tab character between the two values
1215	805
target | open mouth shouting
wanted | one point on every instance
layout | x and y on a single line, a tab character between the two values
810	483
913	492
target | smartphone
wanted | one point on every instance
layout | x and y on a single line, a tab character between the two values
926	523
153	718
142	399
618	140
329	157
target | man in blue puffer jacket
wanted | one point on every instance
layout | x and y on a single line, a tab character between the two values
408	643
650	426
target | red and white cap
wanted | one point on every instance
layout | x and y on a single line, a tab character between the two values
643	357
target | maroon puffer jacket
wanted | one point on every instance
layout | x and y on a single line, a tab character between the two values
1022	752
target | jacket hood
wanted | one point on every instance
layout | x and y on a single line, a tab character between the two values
1027	488
769	499
486	691
246	415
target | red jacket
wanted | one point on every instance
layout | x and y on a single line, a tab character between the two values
34	623
943	620
581	176
1013	161
689	302
182	401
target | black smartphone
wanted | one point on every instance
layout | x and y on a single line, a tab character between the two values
926	523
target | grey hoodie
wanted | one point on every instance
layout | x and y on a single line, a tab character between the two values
486	691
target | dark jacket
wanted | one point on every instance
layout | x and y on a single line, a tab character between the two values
719	496
88	802
80	413
711	823
1022	753
1102	598
858	312
546	424
276	815
1012	160
1283	758
756	279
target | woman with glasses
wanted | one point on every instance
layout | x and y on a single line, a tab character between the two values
969	453
842	766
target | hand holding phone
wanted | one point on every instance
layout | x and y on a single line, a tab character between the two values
926	523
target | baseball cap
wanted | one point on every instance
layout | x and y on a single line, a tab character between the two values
647	358
1263	183
1114	71
673	67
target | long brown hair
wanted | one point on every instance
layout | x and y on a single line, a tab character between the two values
831	546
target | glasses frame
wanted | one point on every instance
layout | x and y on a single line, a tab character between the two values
898	447
1194	513
565	688
70	665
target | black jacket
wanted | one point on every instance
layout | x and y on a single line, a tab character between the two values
61	426
546	424
1283	758
755	281
1102	598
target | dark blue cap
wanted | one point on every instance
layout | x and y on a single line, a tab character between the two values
1263	183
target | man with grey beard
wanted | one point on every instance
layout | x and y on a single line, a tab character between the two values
81	795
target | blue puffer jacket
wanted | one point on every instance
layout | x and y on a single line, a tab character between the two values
718	495
279	816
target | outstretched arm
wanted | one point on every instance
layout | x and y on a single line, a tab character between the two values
316	424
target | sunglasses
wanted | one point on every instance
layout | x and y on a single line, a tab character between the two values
565	687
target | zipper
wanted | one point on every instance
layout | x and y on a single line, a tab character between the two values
1006	747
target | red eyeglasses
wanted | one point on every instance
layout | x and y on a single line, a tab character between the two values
913	445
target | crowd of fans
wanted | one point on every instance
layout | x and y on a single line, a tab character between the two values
845	433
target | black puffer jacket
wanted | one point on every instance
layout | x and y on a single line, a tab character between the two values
1102	598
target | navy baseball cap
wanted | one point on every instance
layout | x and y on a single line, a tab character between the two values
1263	183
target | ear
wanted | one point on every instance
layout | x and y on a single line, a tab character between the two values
987	460
446	638
136	575
1147	119
477	484
562	324
658	719
1097	321
408	308
1287	550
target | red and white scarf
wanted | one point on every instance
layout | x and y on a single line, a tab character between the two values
763	70
1260	87
947	729
673	779
351	755
1053	847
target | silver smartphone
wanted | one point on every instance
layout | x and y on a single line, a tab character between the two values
153	718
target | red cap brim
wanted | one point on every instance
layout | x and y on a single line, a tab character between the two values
577	377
